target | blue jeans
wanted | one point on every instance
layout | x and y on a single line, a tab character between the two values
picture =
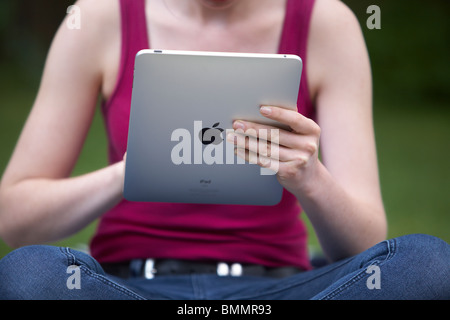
408	267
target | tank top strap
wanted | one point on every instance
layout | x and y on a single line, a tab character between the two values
296	27
294	40
134	33
134	37
134	26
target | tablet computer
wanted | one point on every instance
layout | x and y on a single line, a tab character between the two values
183	104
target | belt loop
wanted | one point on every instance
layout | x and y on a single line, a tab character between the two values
149	269
236	270
223	269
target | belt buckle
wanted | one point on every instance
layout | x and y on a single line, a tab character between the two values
234	270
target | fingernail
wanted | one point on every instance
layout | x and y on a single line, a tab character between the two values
238	125
266	110
265	162
231	137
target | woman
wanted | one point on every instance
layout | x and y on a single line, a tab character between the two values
340	192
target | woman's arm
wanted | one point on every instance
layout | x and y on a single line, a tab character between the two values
340	194
353	219
38	200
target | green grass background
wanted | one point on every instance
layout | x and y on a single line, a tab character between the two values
411	68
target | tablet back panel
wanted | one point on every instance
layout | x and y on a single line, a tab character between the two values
176	95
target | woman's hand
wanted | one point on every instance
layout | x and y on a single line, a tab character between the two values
293	154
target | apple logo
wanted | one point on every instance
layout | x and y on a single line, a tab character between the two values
211	135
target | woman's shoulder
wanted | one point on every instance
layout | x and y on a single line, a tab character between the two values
329	14
101	16
96	40
335	39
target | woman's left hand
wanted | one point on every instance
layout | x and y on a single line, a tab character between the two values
293	154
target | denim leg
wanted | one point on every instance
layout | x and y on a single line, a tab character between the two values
47	272
409	267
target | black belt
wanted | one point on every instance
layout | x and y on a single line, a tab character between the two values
149	268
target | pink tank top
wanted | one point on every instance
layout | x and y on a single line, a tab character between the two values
271	236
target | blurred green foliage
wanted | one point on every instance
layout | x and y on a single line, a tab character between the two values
410	65
410	54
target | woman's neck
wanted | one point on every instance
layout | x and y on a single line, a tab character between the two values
211	12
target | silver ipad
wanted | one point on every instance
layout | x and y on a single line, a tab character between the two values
183	105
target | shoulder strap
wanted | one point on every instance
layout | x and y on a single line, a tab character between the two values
133	38
294	40
134	29
296	27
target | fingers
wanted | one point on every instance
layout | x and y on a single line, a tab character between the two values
255	158
305	132
266	132
259	144
285	152
258	151
296	121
